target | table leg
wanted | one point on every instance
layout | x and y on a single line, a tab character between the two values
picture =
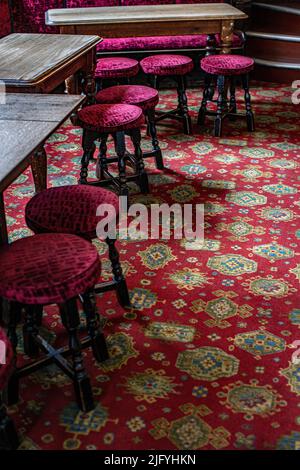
71	85
226	36
39	169
3	226
89	80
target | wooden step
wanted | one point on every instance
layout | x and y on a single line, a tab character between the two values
272	46
279	18
278	72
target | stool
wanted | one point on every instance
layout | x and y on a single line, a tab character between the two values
225	68
8	435
115	68
72	209
100	120
144	97
53	269
177	67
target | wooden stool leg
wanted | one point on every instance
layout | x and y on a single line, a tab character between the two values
88	145
8	435
233	108
249	113
81	381
183	105
154	81
99	84
99	345
30	330
232	99
121	152
220	105
122	290
202	110
12	389
101	167
155	144
143	183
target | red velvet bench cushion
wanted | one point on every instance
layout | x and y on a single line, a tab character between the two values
48	268
195	41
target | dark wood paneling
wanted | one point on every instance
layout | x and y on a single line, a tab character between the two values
271	21
274	74
270	49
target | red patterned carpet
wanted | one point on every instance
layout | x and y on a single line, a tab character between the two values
204	359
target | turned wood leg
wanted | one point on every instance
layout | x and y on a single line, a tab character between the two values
98	84
226	36
71	85
89	86
30	331
39	169
232	100
101	167
82	386
119	139
99	345
88	145
154	81
183	105
8	434
122	290
220	105
14	317
143	183
249	113
211	44
155	144
206	97
3	225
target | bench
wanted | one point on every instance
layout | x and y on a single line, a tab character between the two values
29	16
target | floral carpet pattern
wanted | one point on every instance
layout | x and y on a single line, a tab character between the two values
203	360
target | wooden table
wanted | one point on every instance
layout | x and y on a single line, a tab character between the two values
26	122
39	63
149	20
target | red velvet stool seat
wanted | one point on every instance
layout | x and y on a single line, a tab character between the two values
98	122
73	209
176	66
115	68
46	269
139	95
8	435
225	68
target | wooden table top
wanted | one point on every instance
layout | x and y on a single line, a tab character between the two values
27	58
143	14
26	121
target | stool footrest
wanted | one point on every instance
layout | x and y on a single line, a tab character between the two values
53	355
